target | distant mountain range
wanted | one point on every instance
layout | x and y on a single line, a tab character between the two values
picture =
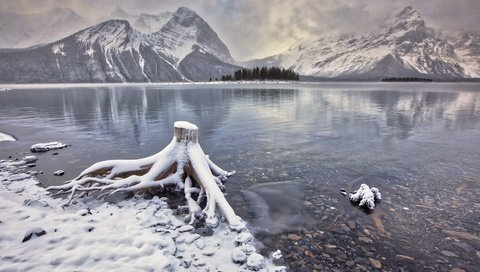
177	46
406	48
181	46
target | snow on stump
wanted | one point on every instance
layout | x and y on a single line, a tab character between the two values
181	164
366	196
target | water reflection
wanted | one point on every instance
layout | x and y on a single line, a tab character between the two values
420	146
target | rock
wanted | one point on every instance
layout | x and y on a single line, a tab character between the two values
351	224
205	231
31	165
293	237
248	249
449	254
277	255
463	235
185	228
83	212
243	238
18	177
255	262
375	264
32	233
360	260
208	251
350	263
456	269
462	245
59	173
200	243
191	238
238	256
406	258
365	240
30	159
44	147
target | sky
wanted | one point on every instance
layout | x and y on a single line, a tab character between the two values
260	28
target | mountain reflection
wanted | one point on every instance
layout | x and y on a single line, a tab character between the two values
133	112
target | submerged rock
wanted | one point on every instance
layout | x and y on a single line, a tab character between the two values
59	173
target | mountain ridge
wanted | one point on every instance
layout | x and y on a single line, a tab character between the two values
113	51
406	47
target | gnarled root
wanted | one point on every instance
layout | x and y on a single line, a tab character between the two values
182	164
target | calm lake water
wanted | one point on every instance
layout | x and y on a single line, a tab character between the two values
294	146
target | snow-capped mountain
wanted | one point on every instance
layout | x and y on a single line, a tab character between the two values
407	47
183	48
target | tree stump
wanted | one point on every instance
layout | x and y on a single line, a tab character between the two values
182	164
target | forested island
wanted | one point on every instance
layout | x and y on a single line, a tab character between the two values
406	79
264	73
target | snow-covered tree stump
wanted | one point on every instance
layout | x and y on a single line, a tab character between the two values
182	163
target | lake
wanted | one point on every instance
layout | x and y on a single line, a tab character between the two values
294	146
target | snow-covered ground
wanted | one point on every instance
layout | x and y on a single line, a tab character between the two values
136	234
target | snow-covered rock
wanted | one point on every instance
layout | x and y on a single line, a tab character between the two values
366	196
59	173
44	147
243	238
32	233
255	262
238	256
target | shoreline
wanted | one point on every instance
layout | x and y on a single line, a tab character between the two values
128	233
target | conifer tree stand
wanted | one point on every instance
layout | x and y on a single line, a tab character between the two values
182	163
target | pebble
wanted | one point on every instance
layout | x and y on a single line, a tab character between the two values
59	173
351	224
205	231
400	257
365	240
191	238
238	256
456	269
243	238
255	262
208	251
185	228
405	208
350	263
376	264
293	237
360	260
200	243
449	254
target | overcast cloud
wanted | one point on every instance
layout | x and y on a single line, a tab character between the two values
253	28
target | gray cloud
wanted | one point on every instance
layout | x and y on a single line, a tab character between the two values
252	28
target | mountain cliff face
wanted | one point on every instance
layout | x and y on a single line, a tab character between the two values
114	51
408	47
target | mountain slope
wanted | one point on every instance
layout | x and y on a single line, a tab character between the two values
113	51
407	48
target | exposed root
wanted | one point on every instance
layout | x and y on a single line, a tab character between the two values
182	164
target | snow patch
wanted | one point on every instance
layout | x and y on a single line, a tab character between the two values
57	49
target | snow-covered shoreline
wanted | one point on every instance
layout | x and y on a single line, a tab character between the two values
6	137
134	234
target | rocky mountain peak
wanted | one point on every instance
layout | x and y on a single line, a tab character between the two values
408	18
